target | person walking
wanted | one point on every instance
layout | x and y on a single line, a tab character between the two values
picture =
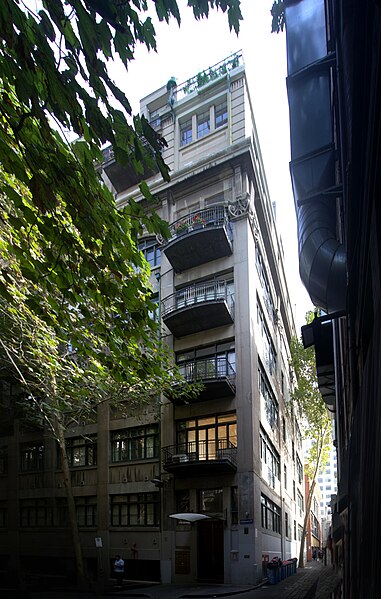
119	570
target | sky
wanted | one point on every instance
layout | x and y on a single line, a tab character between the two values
196	45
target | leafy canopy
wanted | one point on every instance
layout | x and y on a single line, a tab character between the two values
309	404
67	252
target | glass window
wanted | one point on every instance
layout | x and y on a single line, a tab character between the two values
183	501
185	132
221	114
207	437
35	512
151	251
203	124
3	460
138	443
234	505
271	458
216	361
271	405
211	500
81	451
3	514
32	457
135	509
270	514
86	510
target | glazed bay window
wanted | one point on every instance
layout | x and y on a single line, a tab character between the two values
31	457
138	443
203	124
186	132
81	451
135	509
270	514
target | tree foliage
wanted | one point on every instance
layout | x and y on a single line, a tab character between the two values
315	422
71	274
277	12
74	248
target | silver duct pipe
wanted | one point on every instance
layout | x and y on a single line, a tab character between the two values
322	259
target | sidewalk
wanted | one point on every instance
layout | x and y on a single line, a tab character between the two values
315	581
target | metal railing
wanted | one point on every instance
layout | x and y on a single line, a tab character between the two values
215	216
200	451
212	367
210	291
220	69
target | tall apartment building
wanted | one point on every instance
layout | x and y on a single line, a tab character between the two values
209	489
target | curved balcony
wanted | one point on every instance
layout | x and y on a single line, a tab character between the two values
198	238
198	308
123	176
215	372
200	458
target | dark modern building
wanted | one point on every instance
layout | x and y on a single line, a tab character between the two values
334	87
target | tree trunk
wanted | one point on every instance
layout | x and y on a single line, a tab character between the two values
306	516
81	576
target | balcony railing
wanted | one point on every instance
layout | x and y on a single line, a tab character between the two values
215	372
212	73
199	237
216	216
199	307
202	456
123	176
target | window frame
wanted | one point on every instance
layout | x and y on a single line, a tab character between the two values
221	112
186	126
125	448
32	456
86	446
127	509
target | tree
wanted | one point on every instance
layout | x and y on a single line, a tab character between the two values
277	13
60	388
53	71
316	424
71	273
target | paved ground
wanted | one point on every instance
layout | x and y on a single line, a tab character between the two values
315	581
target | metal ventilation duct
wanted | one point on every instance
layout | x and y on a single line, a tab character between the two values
322	259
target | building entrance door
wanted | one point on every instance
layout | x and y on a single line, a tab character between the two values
210	551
